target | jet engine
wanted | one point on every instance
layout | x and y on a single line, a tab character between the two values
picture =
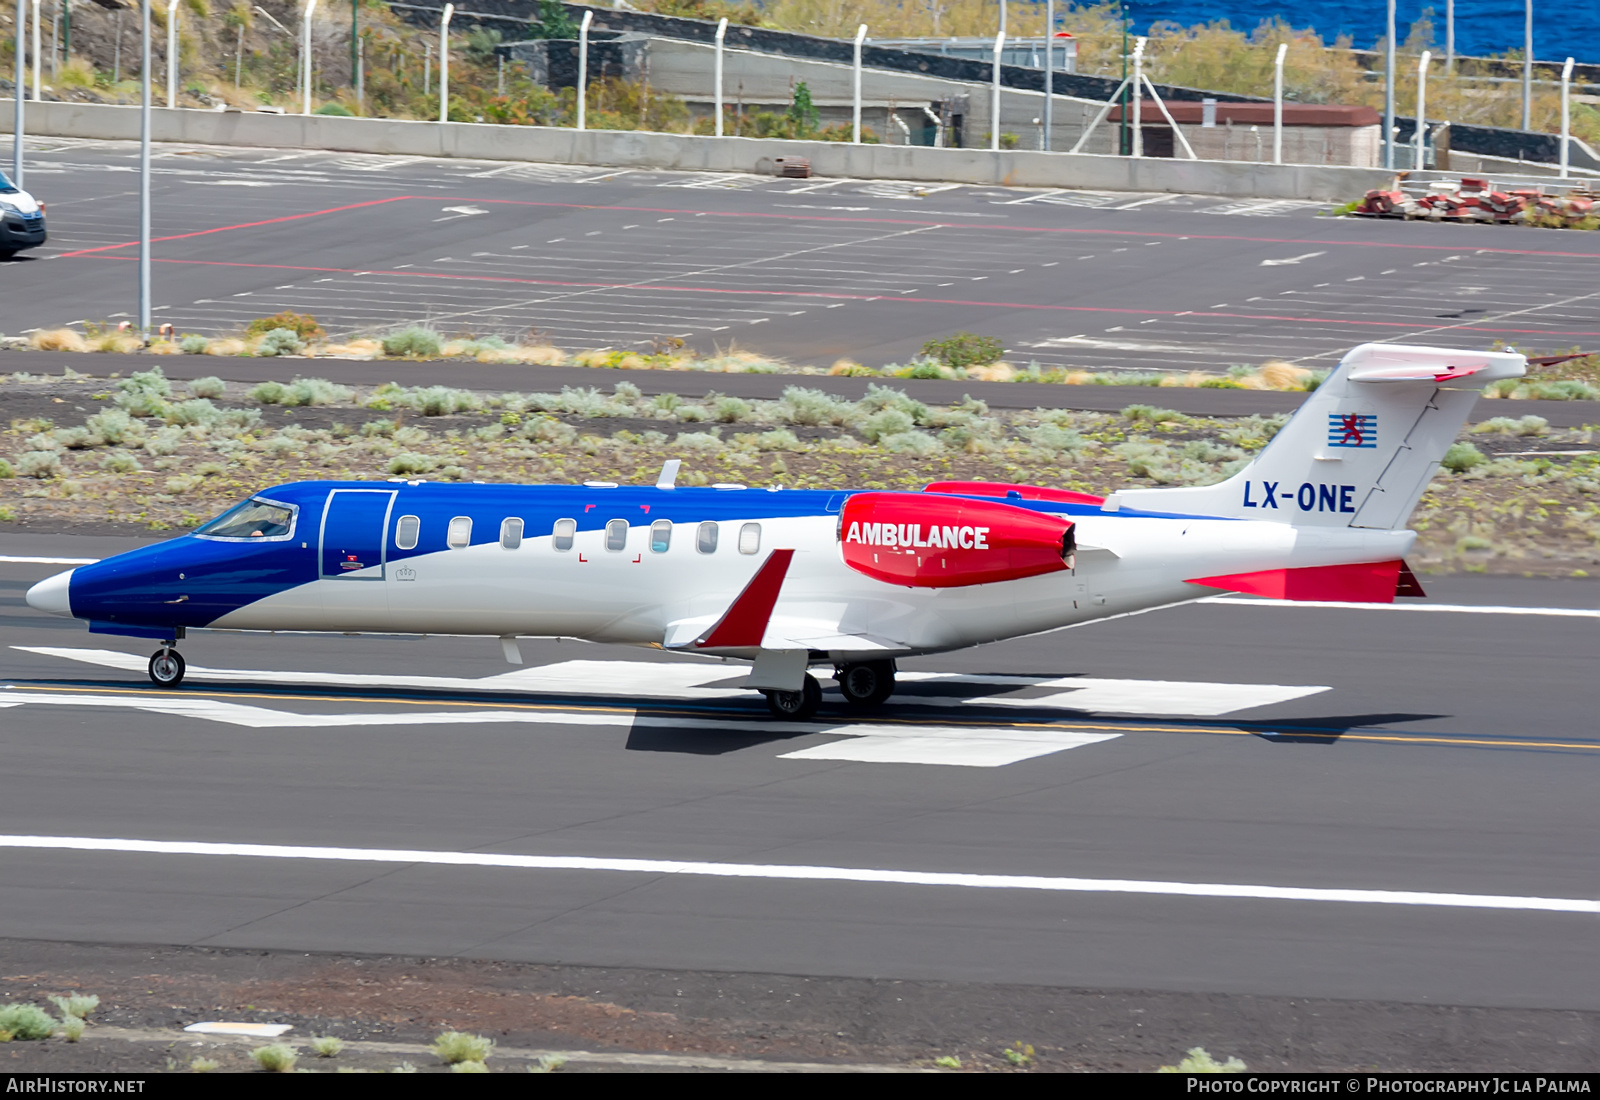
924	541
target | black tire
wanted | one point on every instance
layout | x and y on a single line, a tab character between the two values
796	706
167	667
867	684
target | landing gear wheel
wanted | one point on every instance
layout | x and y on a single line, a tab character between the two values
796	705
166	668
867	684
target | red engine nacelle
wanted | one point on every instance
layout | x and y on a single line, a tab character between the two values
934	542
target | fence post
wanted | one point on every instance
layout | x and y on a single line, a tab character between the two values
1566	117
444	62
172	51
1421	136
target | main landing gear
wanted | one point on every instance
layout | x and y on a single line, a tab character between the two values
167	666
864	686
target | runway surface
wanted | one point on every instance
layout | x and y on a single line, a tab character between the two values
1386	804
809	269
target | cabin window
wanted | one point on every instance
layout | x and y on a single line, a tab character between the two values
660	536
460	532
561	535
406	532
511	534
705	539
617	535
750	538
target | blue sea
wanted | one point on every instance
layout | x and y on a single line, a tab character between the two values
1483	27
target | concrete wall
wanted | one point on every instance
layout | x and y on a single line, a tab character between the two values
635	149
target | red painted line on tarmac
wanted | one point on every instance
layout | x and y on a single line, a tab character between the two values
835	296
1030	228
241	225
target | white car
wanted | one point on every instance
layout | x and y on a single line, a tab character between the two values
21	219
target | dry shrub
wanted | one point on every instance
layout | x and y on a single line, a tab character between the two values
364	348
992	372
117	342
540	354
57	339
163	347
1078	378
1278	375
1187	380
595	358
845	367
226	345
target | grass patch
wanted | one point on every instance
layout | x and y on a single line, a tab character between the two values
455	1047
276	1058
26	1022
1196	1060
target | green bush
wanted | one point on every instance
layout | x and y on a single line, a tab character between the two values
302	325
1196	1060
964	349
409	462
209	387
40	464
1462	457
111	425
337	109
193	344
413	342
27	1022
280	341
458	1046
6	470
277	1058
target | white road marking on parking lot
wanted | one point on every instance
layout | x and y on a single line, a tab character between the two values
807	873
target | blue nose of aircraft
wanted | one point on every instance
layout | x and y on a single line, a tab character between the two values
53	594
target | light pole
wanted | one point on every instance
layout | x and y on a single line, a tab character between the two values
144	169
1388	94
16	123
855	112
1566	116
1136	104
716	99
1049	69
994	95
1527	65
38	67
1450	36
1277	104
172	53
583	71
1420	137
311	5
444	61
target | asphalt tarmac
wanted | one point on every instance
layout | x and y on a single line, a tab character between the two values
808	269
1174	828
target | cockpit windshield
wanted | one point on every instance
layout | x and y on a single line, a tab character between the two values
254	519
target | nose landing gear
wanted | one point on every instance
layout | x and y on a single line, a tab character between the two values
796	705
167	667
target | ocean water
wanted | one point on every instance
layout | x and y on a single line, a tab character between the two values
1483	27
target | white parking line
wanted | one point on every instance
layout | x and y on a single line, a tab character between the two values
807	873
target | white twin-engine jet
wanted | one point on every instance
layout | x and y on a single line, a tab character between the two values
795	579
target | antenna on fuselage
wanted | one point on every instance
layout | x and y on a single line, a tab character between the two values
669	474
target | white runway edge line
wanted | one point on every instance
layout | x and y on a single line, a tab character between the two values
1458	608
48	561
807	873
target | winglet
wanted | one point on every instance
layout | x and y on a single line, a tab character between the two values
669	474
744	624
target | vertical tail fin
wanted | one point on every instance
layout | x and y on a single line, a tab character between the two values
1360	451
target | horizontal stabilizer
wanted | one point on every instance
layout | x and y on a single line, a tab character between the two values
1368	582
744	624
